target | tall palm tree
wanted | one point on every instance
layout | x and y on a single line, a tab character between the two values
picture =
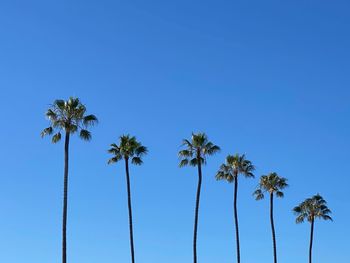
195	153
229	171
67	117
273	185
311	209
129	149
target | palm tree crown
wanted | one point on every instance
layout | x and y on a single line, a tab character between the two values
128	148
272	184
196	150
70	117
235	165
312	208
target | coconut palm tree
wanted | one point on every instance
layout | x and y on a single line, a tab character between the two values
128	149
195	154
273	185
311	209
229	171
67	117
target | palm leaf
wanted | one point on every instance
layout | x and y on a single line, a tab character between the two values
90	120
85	135
136	160
47	131
56	138
184	162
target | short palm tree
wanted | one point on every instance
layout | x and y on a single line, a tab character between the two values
229	171
128	149
273	185
68	117
195	153
311	209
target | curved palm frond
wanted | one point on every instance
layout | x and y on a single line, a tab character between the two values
183	162
47	131
185	153
85	135
90	120
113	160
259	194
136	160
195	161
141	150
56	138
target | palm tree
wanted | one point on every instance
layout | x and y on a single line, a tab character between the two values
229	171
195	153
311	209
129	149
272	184
68	117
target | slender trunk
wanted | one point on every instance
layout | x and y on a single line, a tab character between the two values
130	211
273	230
311	239
236	219
196	211
65	199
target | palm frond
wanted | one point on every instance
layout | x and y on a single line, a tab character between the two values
193	162
90	120
259	195
73	102
56	138
327	217
186	143
297	209
212	150
72	128
51	115
114	159
60	104
114	151
47	131
300	219
280	194
141	150
114	146
85	135
136	160
185	153
220	175
183	162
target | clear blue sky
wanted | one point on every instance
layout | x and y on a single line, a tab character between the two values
266	78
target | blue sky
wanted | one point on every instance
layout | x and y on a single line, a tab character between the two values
266	78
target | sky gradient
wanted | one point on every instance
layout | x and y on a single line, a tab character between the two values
266	78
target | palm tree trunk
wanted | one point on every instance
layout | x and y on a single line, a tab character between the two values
130	211
196	211
65	199
236	219
311	240
273	230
